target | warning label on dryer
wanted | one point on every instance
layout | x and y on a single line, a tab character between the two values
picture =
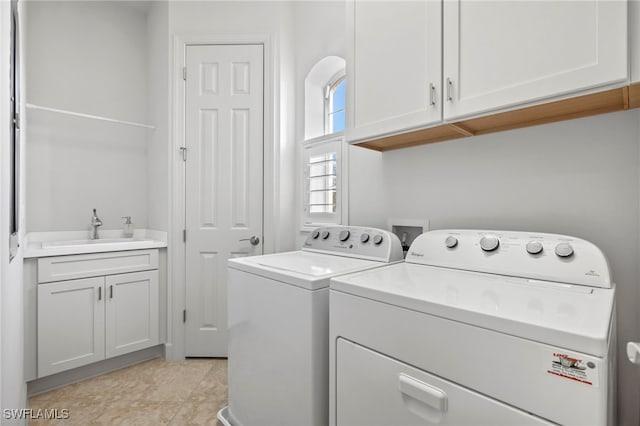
569	367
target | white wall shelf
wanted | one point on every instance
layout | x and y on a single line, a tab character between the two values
94	117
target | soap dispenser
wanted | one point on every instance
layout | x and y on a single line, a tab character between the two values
127	229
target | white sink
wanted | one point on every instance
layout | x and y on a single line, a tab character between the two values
70	243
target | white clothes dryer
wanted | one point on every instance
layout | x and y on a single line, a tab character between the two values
279	325
476	328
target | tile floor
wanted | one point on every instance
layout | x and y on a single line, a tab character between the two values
151	393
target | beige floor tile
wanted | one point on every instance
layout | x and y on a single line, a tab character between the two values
80	412
198	413
151	393
140	413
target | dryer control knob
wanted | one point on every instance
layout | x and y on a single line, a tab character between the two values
451	242
489	243
534	247
377	239
315	235
564	250
344	235
325	235
364	237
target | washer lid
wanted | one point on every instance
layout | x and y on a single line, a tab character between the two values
570	316
303	269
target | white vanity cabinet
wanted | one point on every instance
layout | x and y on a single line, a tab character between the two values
501	54
479	57
88	319
394	73
70	324
131	312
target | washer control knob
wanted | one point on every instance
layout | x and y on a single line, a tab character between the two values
364	237
564	250
489	243
325	235
344	235
377	240
451	242
315	234
534	247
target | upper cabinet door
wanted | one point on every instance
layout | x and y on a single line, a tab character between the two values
634	35
394	67
498	54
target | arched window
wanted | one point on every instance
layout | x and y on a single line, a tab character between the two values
335	102
323	152
324	98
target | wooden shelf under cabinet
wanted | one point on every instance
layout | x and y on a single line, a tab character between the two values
619	99
634	95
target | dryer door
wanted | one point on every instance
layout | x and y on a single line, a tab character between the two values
373	389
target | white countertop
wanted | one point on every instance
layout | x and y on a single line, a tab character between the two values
44	244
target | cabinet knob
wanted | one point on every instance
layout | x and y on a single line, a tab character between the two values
449	89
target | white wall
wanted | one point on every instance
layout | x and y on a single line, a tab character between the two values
88	57
12	389
158	107
578	177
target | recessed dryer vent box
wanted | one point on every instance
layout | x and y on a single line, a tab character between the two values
407	230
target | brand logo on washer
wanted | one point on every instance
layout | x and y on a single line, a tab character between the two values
413	253
592	273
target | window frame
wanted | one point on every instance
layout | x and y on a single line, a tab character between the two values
324	144
329	88
14	143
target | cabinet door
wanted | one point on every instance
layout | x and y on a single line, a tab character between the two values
132	312
70	324
393	67
499	54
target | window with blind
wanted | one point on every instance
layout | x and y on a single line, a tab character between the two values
321	164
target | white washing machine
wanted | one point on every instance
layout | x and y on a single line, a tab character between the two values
279	325
476	328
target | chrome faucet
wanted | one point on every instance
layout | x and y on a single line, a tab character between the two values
95	223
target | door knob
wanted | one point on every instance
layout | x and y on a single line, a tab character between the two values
253	240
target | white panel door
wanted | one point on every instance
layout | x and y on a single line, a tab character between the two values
394	67
132	312
499	54
70	324
224	181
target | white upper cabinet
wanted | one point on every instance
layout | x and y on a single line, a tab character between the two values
500	54
394	72
634	31
412	65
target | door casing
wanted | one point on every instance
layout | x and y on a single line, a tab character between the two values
176	268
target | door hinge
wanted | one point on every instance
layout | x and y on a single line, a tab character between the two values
184	235
16	121
183	150
184	73
184	315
